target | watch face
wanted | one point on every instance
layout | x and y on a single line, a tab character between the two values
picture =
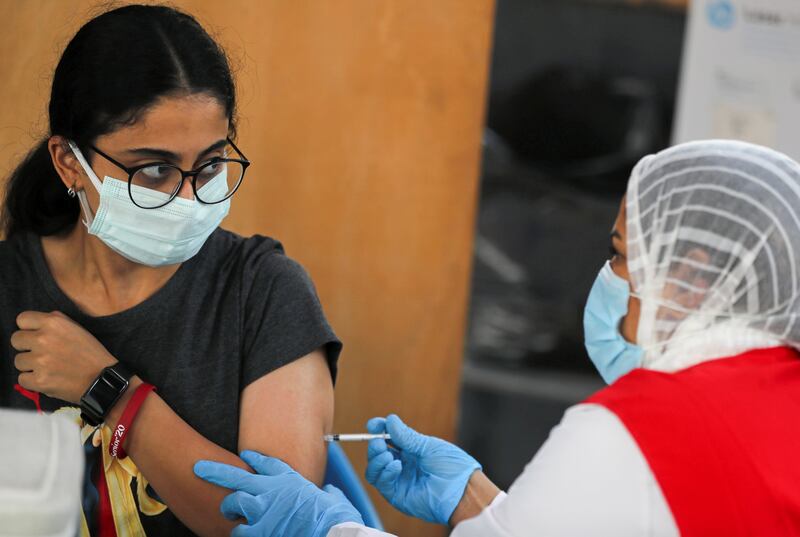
113	378
103	393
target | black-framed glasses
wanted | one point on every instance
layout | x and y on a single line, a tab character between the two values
154	185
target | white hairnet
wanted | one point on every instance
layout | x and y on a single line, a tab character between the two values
713	249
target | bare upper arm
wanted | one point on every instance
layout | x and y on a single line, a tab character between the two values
285	413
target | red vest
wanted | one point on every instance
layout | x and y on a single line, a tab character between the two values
722	439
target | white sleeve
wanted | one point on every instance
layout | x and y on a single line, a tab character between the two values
589	478
351	529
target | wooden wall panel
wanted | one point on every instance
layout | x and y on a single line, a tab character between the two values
363	119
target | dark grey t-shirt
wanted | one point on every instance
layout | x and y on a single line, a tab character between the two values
235	312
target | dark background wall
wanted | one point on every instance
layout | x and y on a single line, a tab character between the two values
543	234
609	38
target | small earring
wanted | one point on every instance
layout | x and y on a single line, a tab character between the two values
71	192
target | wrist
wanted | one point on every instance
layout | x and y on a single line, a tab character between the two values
104	392
478	495
335	516
113	416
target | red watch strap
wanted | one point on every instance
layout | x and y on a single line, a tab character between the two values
126	420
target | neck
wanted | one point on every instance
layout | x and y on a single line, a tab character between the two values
97	279
695	342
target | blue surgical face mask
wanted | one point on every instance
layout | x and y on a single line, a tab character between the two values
167	235
607	305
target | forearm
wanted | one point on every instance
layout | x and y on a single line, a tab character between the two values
478	495
165	448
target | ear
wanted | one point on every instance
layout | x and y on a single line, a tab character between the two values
65	163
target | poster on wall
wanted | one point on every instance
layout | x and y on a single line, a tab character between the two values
740	75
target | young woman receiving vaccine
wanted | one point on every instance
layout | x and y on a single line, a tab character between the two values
124	306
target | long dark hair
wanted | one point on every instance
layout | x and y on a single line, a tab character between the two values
116	66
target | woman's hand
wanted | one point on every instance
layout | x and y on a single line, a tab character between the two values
57	357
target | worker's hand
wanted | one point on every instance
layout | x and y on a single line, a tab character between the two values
425	477
57	356
277	502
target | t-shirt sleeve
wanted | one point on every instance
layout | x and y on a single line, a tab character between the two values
282	318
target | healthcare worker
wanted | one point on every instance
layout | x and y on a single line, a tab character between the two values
694	322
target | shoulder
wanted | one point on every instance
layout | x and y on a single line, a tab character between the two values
16	252
256	254
589	440
230	246
259	262
587	455
13	245
6	251
595	424
639	387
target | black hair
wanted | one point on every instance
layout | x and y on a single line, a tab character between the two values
117	65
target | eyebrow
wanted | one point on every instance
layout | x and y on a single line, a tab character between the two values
169	155
615	235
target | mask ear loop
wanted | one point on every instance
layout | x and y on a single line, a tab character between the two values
88	217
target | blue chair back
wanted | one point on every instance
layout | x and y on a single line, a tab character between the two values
340	474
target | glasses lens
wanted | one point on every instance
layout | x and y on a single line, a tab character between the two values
218	180
155	185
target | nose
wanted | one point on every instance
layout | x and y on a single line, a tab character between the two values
186	189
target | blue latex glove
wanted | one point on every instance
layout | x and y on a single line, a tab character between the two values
425	477
277	502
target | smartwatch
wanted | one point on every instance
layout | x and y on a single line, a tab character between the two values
104	392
